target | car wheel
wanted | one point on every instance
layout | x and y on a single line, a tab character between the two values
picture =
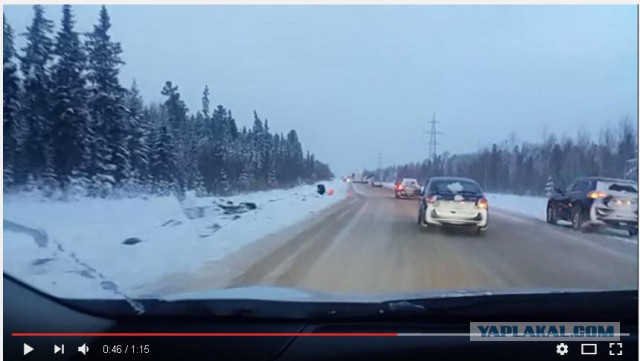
551	215
633	232
397	196
576	219
481	231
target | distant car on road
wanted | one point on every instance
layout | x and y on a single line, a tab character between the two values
376	183
453	202
358	178
594	202
407	188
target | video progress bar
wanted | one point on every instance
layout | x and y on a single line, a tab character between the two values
249	334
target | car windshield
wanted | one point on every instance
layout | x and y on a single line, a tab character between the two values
282	152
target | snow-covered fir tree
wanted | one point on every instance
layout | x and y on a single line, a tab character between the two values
110	155
137	135
10	105
75	131
182	136
549	187
162	161
34	65
70	127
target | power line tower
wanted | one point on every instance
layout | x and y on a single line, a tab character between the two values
433	138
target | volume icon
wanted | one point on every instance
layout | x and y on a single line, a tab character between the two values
83	349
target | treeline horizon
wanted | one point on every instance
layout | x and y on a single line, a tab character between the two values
528	167
70	127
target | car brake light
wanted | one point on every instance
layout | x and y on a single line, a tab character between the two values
400	187
483	203
597	194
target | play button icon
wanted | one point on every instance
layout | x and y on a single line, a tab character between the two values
26	348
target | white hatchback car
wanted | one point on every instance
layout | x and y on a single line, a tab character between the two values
454	202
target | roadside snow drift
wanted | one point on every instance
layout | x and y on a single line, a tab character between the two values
532	207
97	248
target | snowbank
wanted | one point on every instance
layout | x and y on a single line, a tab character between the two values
388	185
533	207
84	255
528	206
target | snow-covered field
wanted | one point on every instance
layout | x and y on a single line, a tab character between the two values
95	248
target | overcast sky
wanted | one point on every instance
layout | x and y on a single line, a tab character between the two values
358	80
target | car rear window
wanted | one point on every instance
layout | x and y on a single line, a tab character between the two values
454	186
617	187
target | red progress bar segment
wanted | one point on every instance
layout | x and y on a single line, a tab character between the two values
204	334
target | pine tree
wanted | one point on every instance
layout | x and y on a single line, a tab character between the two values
217	157
137	134
34	64
110	157
10	105
201	131
258	151
632	166
627	148
162	166
246	178
549	187
176	112
71	135
175	108
294	158
205	102
199	186
272	179
223	184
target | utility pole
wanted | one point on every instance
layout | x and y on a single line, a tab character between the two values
379	172
433	140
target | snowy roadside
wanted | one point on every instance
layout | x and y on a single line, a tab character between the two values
536	207
528	206
90	248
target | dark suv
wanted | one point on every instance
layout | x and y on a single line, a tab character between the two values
594	202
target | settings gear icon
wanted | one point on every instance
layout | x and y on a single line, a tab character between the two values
562	349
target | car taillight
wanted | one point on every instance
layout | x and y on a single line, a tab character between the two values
400	187
483	203
597	194
431	199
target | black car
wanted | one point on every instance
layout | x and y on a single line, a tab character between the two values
595	202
